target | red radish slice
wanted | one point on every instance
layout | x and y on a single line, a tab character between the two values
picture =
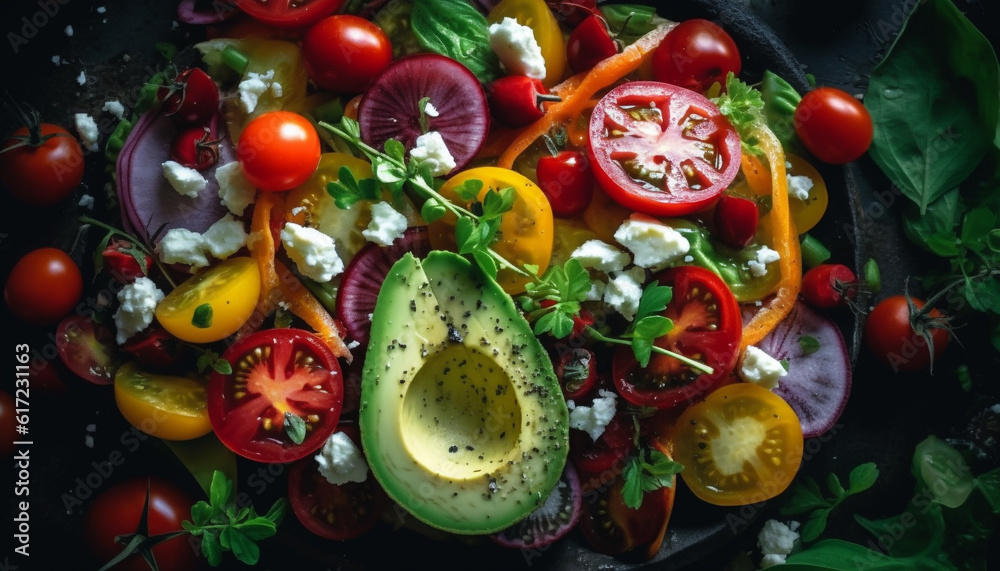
364	275
549	523
389	109
146	199
818	383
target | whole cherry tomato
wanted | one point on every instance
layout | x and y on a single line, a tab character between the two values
828	285
696	54
343	53
195	148
901	334
41	163
278	150
833	125
590	43
43	286
566	180
192	98
516	100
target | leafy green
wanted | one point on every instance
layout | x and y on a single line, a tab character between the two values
456	29
934	104
744	107
209	359
224	526
553	300
807	497
202	317
295	427
808	344
641	475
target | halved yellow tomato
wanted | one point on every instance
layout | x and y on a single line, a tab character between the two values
741	445
212	304
526	232
536	15
805	213
166	406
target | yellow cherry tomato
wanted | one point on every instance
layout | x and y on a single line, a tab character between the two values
741	445
536	15
166	406
805	213
212	304
526	231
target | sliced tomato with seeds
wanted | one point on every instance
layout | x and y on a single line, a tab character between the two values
661	149
607	452
88	349
277	374
332	511
707	328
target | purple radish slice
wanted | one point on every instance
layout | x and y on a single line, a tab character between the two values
364	275
549	523
146	199
390	107
818	383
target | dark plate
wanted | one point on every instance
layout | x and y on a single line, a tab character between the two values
115	52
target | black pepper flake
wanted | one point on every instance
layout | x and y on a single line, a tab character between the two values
413	305
454	335
469	448
453	449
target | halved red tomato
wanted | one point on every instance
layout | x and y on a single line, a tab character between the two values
741	445
285	384
707	328
661	149
88	349
289	13
338	512
614	444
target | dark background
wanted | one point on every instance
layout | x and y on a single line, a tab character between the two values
837	42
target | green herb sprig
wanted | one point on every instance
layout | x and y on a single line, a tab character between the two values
807	497
647	471
744	107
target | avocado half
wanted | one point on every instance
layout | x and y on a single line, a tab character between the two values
462	419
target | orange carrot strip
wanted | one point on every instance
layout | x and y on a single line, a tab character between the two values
261	242
575	100
305	305
785	242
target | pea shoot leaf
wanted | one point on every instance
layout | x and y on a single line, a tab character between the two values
806	497
641	475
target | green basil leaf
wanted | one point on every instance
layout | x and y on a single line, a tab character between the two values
934	104
862	477
808	344
632	484
935	229
202	318
486	263
456	29
976	226
839	555
295	427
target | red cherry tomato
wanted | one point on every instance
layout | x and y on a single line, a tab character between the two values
696	54
897	334
195	148
590	43
516	100
192	98
828	285
117	512
88	349
43	286
576	370
566	180
660	149
289	13
610	448
834	126
707	328
278	150
125	262
154	348
343	53
736	220
277	374
45	169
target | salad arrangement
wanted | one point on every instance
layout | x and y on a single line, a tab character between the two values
524	265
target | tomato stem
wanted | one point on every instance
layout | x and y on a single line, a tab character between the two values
145	248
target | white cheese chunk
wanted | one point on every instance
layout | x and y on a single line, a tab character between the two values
340	461
87	127
235	190
115	108
776	541
652	243
430	110
254	86
314	253
624	291
182	246
387	224
431	151
186	181
765	256
136	303
600	256
799	186
595	418
760	368
224	237
68	31
82	78
517	49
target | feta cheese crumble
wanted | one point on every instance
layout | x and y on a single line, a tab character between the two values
765	256
776	540
601	256
186	181
313	252
137	301
431	151
340	461
115	108
387	224
87	127
595	418
517	49
182	246
69	31
430	110
652	243
254	86
86	201
624	291
56	60
82	78
760	368
224	237
235	190
799	186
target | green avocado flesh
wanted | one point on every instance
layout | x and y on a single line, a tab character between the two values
462	419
